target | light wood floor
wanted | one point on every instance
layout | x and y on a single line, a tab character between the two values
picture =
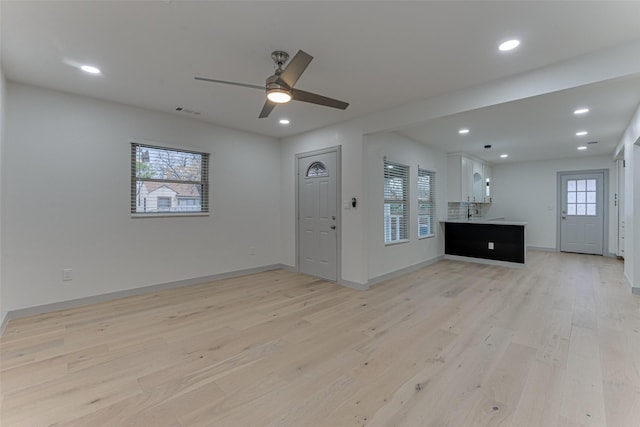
453	344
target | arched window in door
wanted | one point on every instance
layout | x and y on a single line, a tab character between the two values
317	169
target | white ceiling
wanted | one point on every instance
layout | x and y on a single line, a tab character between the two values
375	55
540	127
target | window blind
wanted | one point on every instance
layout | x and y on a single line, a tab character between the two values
396	202
426	202
168	180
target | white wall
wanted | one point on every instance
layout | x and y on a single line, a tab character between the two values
528	192
383	259
632	200
63	147
349	138
603	65
632	260
3	303
76	146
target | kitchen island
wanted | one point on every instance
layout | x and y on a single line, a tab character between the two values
486	239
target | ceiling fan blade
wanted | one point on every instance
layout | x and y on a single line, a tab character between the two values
266	109
296	67
230	83
301	95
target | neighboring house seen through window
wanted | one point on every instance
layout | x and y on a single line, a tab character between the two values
168	180
164	203
188	201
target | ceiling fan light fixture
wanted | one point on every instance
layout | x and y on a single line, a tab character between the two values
279	96
280	86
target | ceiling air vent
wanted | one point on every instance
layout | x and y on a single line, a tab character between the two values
187	111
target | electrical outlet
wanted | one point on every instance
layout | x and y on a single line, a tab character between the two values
491	246
66	274
252	250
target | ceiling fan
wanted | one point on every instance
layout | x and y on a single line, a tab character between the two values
279	87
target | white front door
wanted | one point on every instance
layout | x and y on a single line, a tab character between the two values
317	214
582	213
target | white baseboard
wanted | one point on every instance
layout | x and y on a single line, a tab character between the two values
63	305
3	325
541	249
402	271
485	261
354	285
634	289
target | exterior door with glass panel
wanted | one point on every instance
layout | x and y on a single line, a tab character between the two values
317	212
582	213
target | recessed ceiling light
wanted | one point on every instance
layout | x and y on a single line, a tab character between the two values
509	45
581	111
582	147
582	133
284	122
463	131
90	69
504	156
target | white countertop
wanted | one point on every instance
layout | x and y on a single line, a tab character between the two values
489	220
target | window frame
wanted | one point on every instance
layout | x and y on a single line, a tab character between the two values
164	199
203	182
430	201
400	171
586	192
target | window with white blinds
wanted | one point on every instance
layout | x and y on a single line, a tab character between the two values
426	202
396	202
168	180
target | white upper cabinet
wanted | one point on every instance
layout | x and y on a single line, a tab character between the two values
458	179
466	181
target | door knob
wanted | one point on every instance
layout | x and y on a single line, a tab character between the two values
333	227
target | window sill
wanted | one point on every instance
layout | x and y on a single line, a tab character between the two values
396	242
428	236
169	215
